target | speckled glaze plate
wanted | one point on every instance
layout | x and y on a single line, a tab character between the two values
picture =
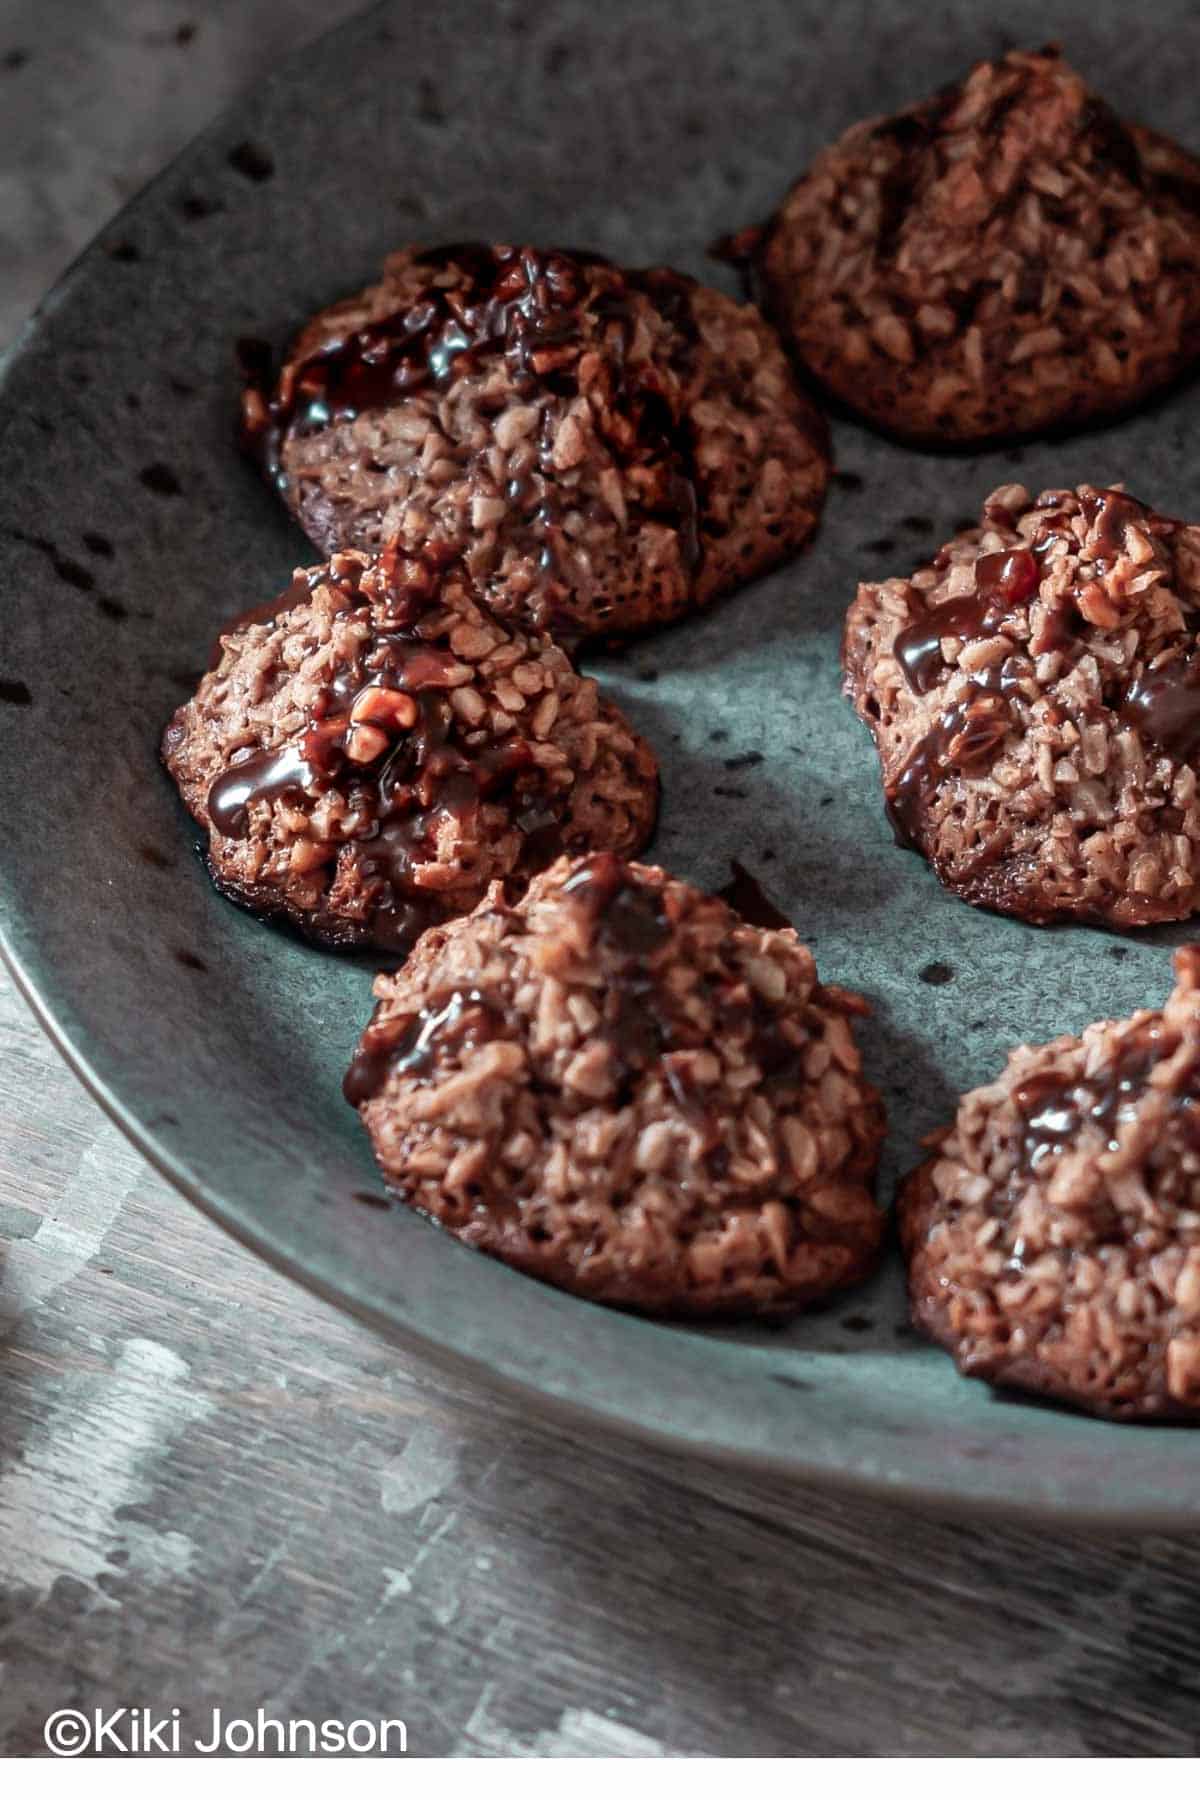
129	529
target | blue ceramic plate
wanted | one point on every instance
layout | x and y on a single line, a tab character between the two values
129	529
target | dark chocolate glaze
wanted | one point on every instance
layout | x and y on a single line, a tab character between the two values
1164	706
523	304
458	1021
1107	511
1055	1107
1003	580
615	904
966	739
511	302
264	775
649	1026
420	779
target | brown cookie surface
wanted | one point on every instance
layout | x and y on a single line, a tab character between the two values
618	1086
375	751
1053	1236
1034	695
1004	258
607	448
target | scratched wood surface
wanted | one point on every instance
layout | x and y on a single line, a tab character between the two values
214	1491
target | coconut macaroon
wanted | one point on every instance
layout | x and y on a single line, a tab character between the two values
369	757
1034	696
1003	258
607	448
620	1087
1053	1236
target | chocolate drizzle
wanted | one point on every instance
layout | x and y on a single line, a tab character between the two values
966	740
641	1023
265	775
516	303
1107	512
538	310
612	902
1163	705
1055	1107
456	1021
417	779
1003	580
649	1026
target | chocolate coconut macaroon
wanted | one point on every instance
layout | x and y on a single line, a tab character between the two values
1053	1236
608	448
375	752
1034	695
1005	258
619	1086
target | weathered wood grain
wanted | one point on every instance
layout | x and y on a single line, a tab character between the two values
216	1491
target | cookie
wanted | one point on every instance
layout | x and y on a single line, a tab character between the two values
1034	695
1053	1236
372	753
609	449
618	1086
1007	257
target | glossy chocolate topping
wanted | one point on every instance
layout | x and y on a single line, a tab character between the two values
384	732
1107	512
612	901
1164	706
649	1021
1003	580
966	740
518	303
1056	1107
261	776
457	1021
537	309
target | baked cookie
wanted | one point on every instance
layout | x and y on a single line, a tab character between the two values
609	449
1053	1236
1034	695
369	758
1005	258
618	1086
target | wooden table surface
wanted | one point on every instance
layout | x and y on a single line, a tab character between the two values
215	1491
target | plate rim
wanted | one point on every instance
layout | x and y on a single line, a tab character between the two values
911	1493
